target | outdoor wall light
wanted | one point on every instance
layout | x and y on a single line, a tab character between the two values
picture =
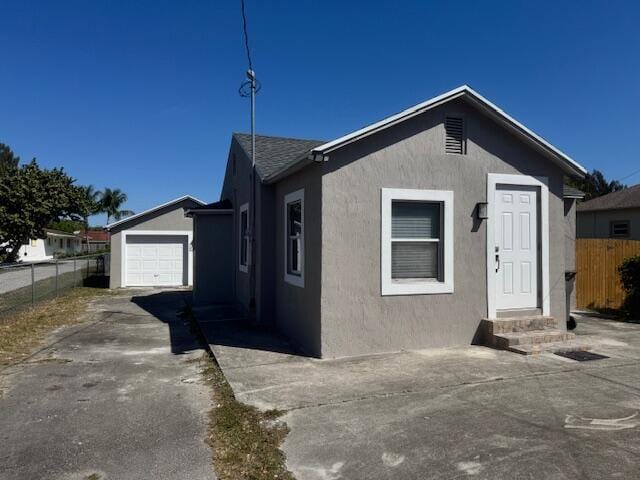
482	211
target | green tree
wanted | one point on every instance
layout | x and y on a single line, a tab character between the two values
66	225
93	201
595	185
110	202
8	161
31	198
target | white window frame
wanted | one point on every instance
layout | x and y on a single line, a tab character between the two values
417	286
293	279
243	267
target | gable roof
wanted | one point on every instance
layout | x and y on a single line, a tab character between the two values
276	157
569	165
274	154
154	209
626	198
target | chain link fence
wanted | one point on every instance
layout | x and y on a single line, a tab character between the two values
26	284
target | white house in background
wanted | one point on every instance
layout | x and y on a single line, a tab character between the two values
54	244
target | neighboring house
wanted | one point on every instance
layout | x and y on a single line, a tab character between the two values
95	240
55	243
615	215
153	248
404	234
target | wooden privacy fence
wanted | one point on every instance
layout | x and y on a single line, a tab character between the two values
597	279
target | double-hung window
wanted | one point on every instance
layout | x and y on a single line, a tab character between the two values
243	235
417	242
294	238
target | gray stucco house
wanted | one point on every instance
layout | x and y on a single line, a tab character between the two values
409	233
615	215
154	248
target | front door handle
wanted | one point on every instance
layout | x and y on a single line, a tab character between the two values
497	250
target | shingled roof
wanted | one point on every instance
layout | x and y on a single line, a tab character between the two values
626	198
274	154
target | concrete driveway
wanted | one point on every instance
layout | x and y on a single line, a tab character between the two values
451	413
118	397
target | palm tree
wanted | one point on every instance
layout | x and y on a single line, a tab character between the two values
93	199
110	202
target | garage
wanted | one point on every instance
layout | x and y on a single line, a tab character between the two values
156	261
154	248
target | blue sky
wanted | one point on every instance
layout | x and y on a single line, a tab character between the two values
142	95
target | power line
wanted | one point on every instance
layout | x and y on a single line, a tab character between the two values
246	35
630	175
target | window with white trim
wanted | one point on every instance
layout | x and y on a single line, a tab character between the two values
243	236
619	229
294	238
417	241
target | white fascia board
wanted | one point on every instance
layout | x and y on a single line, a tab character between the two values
436	101
153	209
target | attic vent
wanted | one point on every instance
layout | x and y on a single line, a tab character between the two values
454	128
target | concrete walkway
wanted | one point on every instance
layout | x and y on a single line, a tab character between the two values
118	397
466	412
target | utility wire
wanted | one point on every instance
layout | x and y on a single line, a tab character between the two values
630	175
246	35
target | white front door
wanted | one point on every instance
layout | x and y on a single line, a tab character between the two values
516	249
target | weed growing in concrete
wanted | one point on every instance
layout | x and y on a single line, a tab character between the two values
245	441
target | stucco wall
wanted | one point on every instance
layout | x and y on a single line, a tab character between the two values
570	245
596	224
265	258
213	259
298	308
168	218
236	188
356	319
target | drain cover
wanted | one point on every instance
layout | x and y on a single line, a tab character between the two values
581	356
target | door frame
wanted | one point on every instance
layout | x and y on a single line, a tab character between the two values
493	180
177	233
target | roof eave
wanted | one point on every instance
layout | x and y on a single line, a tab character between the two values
570	166
208	211
151	210
288	170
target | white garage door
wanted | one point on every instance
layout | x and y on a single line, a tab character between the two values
155	261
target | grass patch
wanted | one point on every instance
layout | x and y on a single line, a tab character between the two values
23	331
245	441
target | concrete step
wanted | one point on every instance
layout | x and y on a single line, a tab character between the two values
532	337
552	347
518	324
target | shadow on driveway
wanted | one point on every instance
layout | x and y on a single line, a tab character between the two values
244	334
167	307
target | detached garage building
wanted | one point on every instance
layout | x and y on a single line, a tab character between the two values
154	248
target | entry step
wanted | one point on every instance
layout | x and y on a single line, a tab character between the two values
518	324
532	337
553	347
